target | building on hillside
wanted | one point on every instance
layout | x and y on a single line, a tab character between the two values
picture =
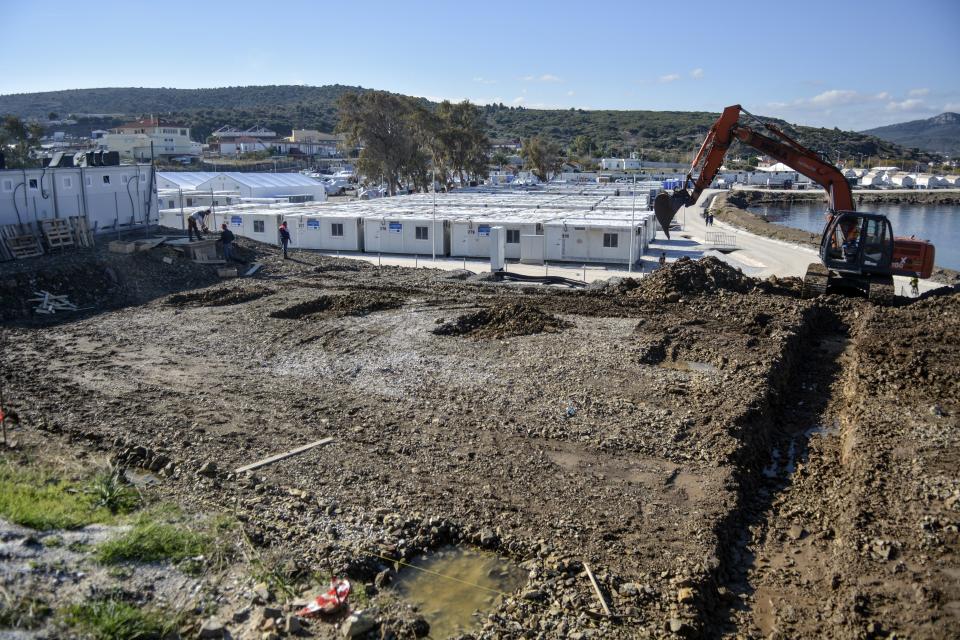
150	138
111	198
229	140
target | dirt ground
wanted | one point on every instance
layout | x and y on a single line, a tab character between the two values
728	459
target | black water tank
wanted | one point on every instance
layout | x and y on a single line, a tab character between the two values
88	157
111	158
98	158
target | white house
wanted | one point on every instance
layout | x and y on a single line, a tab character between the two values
902	180
334	230
150	137
111	198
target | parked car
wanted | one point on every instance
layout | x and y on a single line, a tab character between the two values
336	186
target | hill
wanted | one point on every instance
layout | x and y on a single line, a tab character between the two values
939	134
670	135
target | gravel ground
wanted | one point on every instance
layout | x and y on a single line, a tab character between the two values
659	430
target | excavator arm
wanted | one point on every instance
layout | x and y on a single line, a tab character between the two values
777	145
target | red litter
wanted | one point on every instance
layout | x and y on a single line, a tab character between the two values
329	602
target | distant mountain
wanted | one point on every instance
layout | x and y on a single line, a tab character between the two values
939	134
662	135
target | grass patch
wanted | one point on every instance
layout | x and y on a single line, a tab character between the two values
152	540
36	498
111	491
25	613
112	619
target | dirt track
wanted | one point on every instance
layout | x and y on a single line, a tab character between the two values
649	428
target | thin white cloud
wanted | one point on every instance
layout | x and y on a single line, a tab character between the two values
910	104
670	77
883	95
547	77
697	73
918	93
952	106
482	80
571	93
519	100
834	97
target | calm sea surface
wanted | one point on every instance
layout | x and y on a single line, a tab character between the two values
938	223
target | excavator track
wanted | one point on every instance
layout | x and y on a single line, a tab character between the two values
815	281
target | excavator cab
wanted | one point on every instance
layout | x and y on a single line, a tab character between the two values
857	243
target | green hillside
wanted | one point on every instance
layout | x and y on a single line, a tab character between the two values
666	135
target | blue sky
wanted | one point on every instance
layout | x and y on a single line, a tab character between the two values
849	64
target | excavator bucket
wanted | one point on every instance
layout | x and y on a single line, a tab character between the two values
666	205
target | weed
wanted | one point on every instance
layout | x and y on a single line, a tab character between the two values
51	541
109	489
111	619
152	540
24	613
37	499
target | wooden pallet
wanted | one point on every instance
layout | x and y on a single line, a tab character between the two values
24	246
81	231
57	232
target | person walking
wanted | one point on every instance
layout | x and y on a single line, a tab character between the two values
914	286
284	238
663	259
226	238
197	221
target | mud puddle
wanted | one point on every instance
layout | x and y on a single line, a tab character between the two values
455	588
689	365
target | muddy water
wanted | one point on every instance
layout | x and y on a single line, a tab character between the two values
457	588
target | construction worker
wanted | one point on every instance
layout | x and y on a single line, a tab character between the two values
226	238
663	259
197	221
284	238
914	286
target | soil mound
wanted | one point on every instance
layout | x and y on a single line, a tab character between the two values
690	277
217	297
509	320
353	304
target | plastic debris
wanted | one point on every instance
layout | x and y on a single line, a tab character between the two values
330	602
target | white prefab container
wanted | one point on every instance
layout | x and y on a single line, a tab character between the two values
592	241
326	232
903	180
471	238
257	225
406	234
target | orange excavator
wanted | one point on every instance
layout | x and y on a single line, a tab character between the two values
858	251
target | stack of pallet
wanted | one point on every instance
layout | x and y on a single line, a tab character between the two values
57	233
18	242
81	231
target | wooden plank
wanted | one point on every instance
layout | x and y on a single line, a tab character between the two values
252	270
281	456
596	588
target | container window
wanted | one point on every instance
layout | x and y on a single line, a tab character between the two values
67	182
8	185
336	229
610	240
170	204
513	236
106	179
258	226
189	202
423	233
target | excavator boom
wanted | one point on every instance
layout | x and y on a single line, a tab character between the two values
722	134
858	250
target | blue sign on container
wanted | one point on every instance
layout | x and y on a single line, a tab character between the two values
396	227
313	223
236	221
483	230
